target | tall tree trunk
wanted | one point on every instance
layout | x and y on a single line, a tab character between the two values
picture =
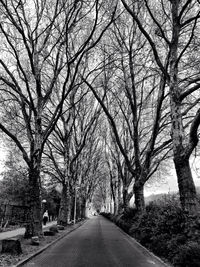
186	185
78	207
181	159
115	207
119	196
34	223
65	206
114	197
125	198
84	209
139	197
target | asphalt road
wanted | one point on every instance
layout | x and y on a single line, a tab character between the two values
97	243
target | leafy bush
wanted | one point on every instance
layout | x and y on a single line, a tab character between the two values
124	225
129	214
188	255
164	229
119	221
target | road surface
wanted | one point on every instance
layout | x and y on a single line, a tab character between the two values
97	243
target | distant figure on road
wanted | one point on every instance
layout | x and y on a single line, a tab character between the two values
45	217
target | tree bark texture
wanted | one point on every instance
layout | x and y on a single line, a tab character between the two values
126	198
181	159
34	223
119	196
114	193
84	209
65	206
139	198
186	185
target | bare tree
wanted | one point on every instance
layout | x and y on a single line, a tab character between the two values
91	171
43	44
66	145
173	39
135	104
120	177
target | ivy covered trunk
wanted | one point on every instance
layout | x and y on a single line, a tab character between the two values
139	197
34	216
65	206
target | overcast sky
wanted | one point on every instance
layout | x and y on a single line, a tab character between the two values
170	182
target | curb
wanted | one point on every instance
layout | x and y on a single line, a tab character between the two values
22	262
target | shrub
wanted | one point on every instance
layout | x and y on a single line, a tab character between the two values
122	220
129	214
188	255
124	225
164	229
